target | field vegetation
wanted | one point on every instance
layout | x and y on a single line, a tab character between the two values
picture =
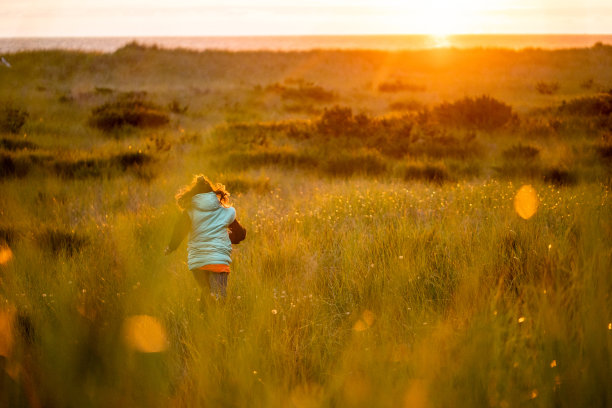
394	255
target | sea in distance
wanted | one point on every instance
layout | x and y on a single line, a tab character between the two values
309	42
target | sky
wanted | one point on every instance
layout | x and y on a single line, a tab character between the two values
107	18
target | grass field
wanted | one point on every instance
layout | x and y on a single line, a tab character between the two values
388	260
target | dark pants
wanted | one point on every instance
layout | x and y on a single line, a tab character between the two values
213	282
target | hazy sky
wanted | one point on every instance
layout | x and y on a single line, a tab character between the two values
23	18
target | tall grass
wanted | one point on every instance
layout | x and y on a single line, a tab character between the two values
384	263
349	293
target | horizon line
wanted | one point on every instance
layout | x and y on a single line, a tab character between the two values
301	35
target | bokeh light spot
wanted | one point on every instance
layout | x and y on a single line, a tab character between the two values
526	202
360	326
5	254
145	334
367	319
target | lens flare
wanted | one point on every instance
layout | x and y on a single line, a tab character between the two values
5	254
367	319
144	334
526	202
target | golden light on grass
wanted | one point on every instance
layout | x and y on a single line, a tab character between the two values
357	388
400	353
306	395
416	395
7	317
5	254
526	202
144	334
368	317
521	319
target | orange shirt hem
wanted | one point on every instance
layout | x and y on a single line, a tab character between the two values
218	268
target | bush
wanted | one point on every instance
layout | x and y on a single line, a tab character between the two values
598	105
588	83
175	107
278	156
513	169
303	91
101	90
483	113
605	151
410	105
435	173
547	88
82	168
399	86
12	145
336	121
242	184
131	159
129	109
8	235
14	166
559	177
540	127
443	145
98	167
520	152
12	118
346	164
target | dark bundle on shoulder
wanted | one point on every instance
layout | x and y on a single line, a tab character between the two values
237	233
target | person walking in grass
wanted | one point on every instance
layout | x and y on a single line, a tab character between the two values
211	224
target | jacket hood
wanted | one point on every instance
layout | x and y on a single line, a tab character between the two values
205	201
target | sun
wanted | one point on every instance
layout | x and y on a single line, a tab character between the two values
440	18
444	17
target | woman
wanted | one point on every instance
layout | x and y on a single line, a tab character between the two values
206	217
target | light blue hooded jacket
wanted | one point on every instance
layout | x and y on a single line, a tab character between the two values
209	241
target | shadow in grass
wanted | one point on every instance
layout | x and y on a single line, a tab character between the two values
20	165
433	173
59	241
14	144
